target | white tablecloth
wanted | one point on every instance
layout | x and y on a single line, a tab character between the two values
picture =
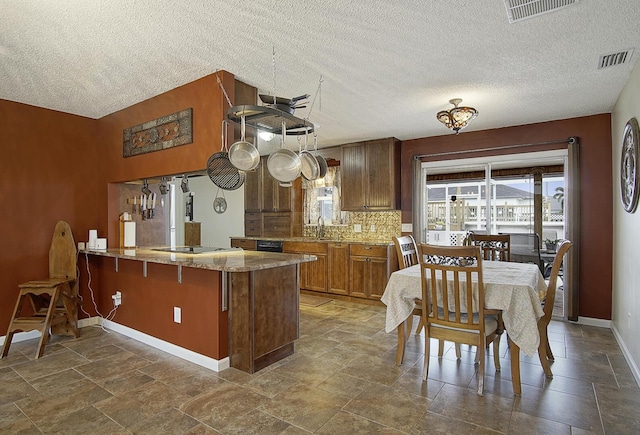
514	288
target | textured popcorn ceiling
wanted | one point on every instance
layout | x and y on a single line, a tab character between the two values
388	66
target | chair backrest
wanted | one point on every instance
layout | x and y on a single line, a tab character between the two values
493	247
406	250
452	286
525	248
62	253
550	298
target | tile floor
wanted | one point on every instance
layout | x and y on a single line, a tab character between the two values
342	379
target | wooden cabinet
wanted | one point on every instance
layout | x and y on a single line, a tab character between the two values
369	269
313	275
338	277
270	209
370	173
351	269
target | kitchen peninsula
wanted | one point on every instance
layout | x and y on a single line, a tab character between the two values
229	307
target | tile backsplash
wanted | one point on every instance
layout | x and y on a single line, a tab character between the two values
386	224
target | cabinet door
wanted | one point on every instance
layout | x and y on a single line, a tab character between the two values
377	277
313	275
253	190
338	268
269	188
352	171
358	273
380	175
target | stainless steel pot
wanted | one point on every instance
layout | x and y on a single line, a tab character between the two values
242	154
310	167
322	162
284	165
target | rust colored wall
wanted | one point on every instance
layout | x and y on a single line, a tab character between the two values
147	303
50	172
596	202
60	166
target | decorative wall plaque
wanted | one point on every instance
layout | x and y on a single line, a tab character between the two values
166	132
629	166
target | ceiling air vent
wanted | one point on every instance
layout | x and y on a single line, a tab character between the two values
614	59
519	10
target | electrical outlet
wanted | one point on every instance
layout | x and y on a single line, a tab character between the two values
117	298
357	228
177	314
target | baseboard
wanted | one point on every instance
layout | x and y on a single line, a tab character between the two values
180	352
591	321
21	336
627	355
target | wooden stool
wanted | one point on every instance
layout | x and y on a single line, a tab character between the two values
54	301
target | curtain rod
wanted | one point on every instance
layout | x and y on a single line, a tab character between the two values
572	140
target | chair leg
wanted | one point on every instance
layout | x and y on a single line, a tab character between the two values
481	369
427	353
440	348
458	353
47	323
10	331
401	342
542	350
496	352
420	326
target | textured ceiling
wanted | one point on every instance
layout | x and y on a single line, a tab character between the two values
388	66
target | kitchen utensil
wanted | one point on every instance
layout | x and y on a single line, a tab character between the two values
284	165
220	203
242	154
322	162
310	167
220	169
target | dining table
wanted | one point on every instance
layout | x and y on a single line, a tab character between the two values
515	289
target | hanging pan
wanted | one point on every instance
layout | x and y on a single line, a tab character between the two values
284	165
220	169
242	154
310	167
322	162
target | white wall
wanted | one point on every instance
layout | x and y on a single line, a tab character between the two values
626	235
217	228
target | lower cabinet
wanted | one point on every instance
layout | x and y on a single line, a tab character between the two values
369	271
350	269
313	275
338	268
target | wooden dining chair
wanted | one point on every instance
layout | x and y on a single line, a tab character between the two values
495	247
452	285
544	349
53	301
407	251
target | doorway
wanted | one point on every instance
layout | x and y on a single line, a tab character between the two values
522	194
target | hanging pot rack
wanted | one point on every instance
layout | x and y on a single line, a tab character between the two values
269	119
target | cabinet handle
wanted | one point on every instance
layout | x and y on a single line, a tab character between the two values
367	248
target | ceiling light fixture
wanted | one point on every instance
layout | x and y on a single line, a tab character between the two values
457	118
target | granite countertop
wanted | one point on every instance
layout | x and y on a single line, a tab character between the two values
232	260
314	239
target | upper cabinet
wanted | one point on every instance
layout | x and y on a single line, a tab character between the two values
370	173
270	209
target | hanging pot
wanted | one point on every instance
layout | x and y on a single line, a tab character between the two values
220	169
284	165
322	162
242	154
310	167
